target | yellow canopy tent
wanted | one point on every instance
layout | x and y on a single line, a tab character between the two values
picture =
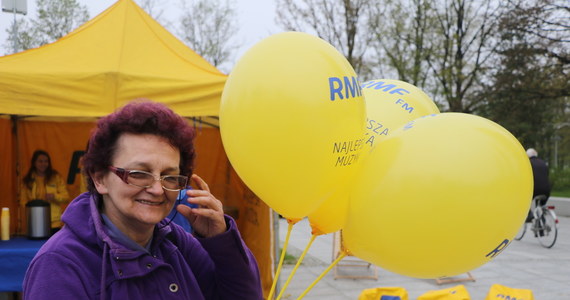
119	55
50	95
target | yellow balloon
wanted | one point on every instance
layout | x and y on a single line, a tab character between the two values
331	215
392	103
440	196
292	121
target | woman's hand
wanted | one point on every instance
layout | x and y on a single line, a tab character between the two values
208	219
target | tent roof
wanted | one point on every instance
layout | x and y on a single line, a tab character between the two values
120	55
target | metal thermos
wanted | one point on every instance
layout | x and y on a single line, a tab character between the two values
39	219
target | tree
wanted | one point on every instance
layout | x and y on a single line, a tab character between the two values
529	91
55	18
344	24
403	33
520	97
547	23
19	36
206	27
464	39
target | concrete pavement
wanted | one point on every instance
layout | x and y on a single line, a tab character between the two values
562	205
523	264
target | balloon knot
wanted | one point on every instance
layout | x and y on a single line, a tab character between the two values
316	231
293	221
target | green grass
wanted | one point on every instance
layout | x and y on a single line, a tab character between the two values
561	193
289	259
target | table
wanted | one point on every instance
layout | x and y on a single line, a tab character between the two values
15	256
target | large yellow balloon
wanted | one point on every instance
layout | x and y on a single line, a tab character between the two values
440	196
392	103
292	121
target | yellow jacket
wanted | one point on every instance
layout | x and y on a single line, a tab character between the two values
55	186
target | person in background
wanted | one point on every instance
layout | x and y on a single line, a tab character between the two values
116	242
540	179
42	182
540	175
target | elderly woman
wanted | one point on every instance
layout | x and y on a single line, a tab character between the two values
116	242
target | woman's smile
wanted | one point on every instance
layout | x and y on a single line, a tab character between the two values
150	202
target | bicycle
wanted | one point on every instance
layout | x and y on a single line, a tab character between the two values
543	224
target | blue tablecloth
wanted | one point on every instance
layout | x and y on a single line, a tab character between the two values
15	256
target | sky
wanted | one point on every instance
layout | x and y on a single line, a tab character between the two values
255	19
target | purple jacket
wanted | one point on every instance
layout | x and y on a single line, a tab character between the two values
81	261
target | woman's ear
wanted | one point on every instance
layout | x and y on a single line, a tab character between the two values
99	179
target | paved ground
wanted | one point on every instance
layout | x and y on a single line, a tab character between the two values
524	264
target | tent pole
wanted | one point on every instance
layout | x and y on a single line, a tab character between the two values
16	149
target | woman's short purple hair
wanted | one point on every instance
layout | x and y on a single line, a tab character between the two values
138	117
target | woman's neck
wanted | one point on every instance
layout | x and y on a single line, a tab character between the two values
138	234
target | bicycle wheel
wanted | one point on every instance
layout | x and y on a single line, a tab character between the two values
546	229
521	232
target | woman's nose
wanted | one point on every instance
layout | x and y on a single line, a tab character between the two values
156	188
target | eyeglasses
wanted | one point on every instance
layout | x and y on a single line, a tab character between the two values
145	180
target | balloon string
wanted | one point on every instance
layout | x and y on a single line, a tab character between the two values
341	256
281	259
296	266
